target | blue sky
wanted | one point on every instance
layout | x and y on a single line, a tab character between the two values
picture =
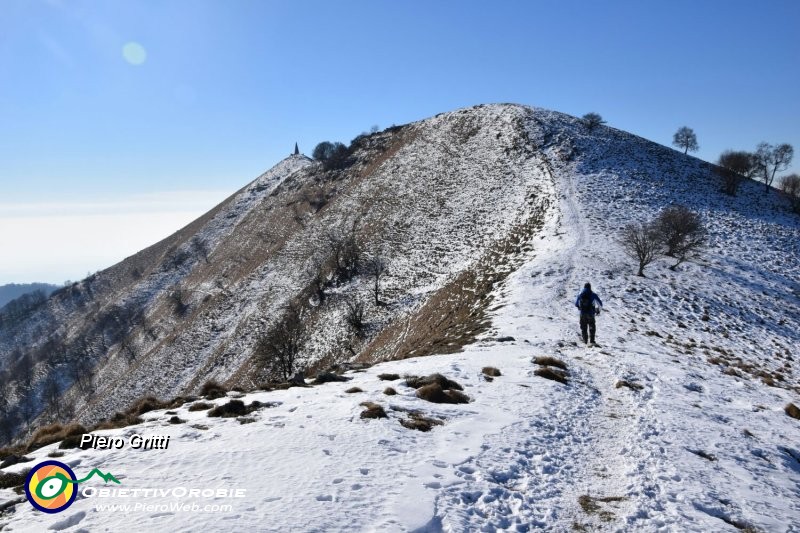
226	88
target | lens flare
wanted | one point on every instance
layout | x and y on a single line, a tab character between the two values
134	53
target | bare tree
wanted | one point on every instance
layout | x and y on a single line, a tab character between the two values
354	315
51	393
280	348
640	242
681	231
686	139
772	159
734	167
791	186
345	254
376	268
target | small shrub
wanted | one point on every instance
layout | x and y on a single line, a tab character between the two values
213	390
416	382
388	377
552	373
353	390
792	410
491	371
373	410
389	391
55	453
176	420
200	406
550	361
246	420
434	393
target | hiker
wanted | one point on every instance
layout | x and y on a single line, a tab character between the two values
585	302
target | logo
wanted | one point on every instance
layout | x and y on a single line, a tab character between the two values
52	486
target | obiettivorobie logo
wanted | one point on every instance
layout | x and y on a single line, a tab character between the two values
52	486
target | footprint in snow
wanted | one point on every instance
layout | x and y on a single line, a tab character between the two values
337	480
364	471
325	498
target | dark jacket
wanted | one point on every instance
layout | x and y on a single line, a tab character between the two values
595	298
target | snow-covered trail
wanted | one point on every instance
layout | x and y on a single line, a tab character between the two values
580	442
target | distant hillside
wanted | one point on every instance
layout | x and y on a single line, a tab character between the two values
15	290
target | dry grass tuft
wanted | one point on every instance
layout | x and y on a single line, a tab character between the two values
436	394
329	377
353	390
54	433
792	410
416	382
491	371
119	420
213	390
388	377
10	480
200	406
389	391
237	408
13	460
419	422
546	360
373	410
552	373
176	420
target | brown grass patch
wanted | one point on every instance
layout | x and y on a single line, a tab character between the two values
389	391
236	408
54	433
436	394
14	460
10	480
590	505
55	453
630	384
546	360
200	406
388	377
353	390
792	410
176	420
552	373
416	382
329	377
491	371
119	420
213	390
373	410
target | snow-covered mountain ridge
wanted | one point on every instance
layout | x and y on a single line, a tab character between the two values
517	207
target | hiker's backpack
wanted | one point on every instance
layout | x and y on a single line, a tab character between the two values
586	302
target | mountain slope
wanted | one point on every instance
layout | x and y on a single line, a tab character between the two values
702	445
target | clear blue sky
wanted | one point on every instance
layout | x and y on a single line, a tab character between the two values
227	87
